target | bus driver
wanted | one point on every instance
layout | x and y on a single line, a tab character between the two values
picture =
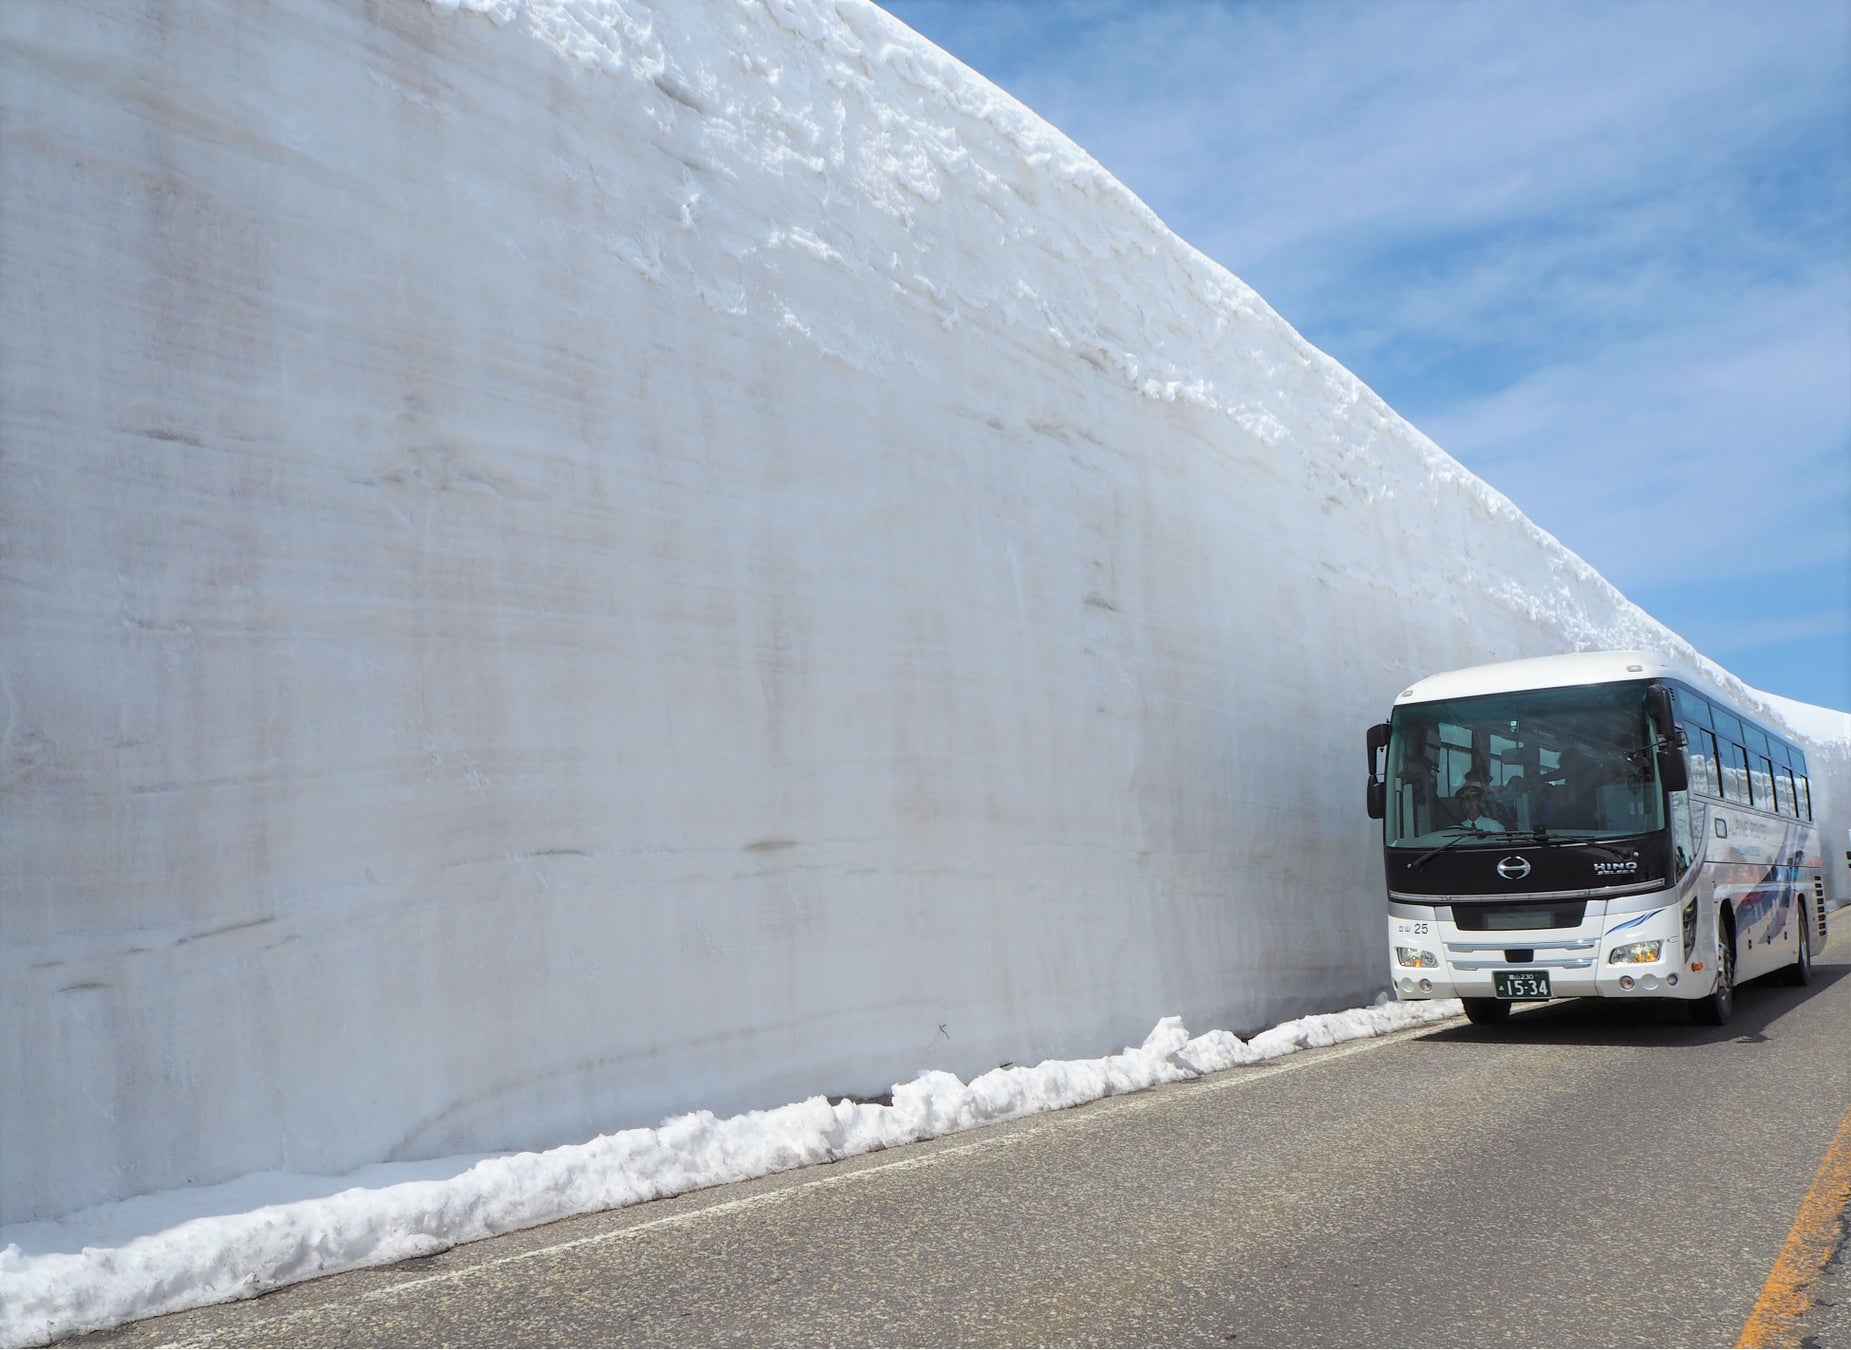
1472	813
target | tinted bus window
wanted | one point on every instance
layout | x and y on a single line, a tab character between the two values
1757	741
1558	760
1783	790
1805	797
1734	771
1727	728
1703	762
1761	779
1692	710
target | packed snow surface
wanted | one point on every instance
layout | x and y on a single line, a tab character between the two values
1826	728
161	1253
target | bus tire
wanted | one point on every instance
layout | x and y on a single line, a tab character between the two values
1485	1011
1714	1010
1800	972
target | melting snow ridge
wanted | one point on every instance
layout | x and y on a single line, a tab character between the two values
184	1249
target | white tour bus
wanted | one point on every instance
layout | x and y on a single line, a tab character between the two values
1603	824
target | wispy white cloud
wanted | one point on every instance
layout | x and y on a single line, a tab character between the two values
1331	120
1733	426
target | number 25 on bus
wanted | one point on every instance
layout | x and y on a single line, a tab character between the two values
1604	824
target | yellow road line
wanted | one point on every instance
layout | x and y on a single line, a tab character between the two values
1788	1294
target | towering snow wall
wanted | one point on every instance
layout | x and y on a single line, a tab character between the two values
593	559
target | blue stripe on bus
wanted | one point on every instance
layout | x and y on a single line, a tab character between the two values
1632	923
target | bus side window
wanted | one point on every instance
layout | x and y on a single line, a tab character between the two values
1783	790
1734	771
1703	762
1684	851
1761	781
1805	798
1692	710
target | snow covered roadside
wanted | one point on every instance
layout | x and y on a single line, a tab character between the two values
181	1249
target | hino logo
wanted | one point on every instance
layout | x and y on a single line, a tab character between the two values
1609	869
1514	869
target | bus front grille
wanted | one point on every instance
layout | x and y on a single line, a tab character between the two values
1564	954
1527	915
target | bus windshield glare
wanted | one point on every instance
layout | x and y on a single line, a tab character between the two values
1572	763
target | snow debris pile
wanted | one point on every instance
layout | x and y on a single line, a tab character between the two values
182	1249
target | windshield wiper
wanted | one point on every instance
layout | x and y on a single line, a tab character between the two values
1594	845
1464	834
1536	836
1461	833
1543	838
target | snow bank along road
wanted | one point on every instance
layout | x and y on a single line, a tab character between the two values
1589	1174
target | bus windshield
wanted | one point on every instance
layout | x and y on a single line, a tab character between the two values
1573	763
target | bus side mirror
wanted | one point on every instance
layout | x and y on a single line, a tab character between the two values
1673	771
1378	790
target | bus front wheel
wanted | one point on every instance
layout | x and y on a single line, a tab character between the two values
1714	1010
1485	1011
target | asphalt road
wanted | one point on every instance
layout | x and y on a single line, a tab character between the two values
1588	1174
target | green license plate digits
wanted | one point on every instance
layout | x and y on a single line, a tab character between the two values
1521	984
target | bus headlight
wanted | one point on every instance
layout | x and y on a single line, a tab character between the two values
1414	956
1636	953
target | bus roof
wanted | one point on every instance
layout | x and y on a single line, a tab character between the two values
1547	672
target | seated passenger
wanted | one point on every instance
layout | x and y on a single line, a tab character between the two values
1573	801
1509	805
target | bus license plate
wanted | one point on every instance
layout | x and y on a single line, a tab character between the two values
1521	985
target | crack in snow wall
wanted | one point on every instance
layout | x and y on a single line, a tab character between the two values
572	562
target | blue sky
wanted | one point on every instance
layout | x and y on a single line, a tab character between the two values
1601	253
